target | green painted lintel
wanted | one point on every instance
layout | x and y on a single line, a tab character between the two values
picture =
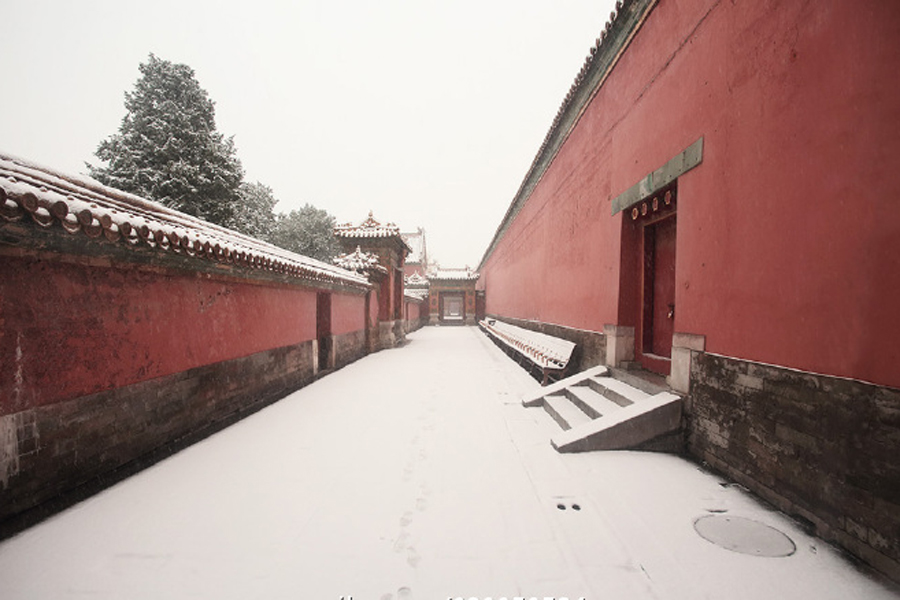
683	162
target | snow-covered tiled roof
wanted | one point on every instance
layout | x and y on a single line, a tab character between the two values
370	228
416	280
464	274
83	206
416	242
419	294
359	261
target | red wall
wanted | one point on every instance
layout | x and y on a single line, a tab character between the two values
788	247
415	312
374	306
75	330
348	313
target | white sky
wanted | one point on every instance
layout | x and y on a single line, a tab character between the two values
428	113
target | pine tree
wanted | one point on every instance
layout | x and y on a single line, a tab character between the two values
254	214
308	231
168	149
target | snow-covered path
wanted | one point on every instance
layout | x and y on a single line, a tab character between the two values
412	473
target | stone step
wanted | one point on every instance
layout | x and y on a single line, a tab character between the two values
537	398
591	401
629	427
564	412
620	392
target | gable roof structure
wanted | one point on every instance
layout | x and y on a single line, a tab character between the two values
359	261
371	229
416	242
416	280
453	274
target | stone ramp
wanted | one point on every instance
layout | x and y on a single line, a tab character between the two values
598	409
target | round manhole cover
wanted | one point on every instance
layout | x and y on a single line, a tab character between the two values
744	535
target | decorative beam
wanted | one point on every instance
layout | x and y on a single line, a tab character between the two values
683	162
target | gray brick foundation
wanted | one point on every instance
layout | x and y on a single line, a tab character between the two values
58	454
819	448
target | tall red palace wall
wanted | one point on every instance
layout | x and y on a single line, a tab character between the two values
787	265
787	248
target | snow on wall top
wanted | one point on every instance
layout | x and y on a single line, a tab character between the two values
615	37
359	261
464	274
546	350
81	205
416	294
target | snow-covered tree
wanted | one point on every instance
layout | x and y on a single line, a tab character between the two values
254	214
168	149
308	231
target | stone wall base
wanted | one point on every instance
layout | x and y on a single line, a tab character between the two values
822	449
53	456
348	347
387	334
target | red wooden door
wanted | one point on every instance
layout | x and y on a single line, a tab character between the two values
663	305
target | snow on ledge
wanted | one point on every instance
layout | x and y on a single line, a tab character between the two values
545	350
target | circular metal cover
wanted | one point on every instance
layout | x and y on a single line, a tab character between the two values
744	535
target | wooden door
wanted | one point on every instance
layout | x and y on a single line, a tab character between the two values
657	324
663	288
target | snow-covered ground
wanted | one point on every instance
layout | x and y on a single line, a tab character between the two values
413	473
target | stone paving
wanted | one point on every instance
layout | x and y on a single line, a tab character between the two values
416	473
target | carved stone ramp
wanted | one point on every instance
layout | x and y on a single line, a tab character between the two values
600	409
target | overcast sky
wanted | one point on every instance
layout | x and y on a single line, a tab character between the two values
427	113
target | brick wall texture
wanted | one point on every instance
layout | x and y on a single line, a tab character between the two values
69	449
819	448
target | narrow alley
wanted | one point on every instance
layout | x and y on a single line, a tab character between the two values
414	473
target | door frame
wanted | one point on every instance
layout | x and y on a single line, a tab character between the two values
636	282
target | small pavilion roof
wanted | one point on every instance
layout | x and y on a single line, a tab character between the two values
359	261
416	280
370	228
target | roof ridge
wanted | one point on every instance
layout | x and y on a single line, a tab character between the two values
602	57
